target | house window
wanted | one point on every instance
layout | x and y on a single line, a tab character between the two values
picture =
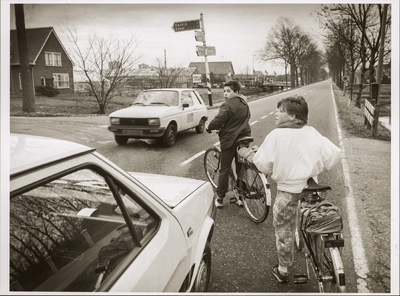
61	80
53	59
43	81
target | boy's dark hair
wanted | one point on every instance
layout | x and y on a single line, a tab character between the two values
234	85
296	106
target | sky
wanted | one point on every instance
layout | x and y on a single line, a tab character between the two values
236	30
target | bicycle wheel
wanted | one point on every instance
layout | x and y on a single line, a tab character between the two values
255	194
332	277
211	165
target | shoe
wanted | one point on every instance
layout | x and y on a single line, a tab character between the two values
280	277
219	203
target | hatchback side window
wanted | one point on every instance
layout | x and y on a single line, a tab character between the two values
70	234
186	98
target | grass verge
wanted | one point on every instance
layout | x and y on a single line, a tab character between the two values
352	119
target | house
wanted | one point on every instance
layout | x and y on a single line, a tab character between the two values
219	71
51	65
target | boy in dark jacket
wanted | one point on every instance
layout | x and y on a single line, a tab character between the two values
232	122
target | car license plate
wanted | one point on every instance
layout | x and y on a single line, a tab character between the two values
132	133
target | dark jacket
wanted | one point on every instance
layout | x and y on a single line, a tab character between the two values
232	121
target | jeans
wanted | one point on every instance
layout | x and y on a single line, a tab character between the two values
284	222
227	156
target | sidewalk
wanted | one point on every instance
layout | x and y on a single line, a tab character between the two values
369	164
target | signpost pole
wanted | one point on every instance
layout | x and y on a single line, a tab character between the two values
206	62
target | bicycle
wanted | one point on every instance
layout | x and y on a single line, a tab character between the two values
250	186
324	245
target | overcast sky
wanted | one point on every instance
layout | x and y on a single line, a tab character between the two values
237	31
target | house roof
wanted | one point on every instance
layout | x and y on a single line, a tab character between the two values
214	67
36	39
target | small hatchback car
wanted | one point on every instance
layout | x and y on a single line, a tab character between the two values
159	113
79	223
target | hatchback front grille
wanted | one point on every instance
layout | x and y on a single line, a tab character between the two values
134	121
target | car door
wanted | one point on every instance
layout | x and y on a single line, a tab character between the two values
188	113
199	108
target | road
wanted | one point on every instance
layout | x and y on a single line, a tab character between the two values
243	252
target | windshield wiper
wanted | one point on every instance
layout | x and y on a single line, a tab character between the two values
159	103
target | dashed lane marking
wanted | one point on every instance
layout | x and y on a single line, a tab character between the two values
193	158
254	122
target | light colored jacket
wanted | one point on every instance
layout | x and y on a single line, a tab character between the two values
295	155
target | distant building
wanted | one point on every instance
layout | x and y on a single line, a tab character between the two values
50	62
220	72
146	77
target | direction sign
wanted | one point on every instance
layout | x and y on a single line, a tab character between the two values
200	50
186	25
199	36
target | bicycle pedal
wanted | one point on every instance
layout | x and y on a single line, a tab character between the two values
233	200
300	279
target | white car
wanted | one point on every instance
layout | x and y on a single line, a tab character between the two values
159	113
78	223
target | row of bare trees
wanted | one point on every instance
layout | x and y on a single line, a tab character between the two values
354	33
289	44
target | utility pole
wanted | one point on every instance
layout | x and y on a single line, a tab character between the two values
206	62
28	93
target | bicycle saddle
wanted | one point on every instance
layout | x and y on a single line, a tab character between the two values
245	139
313	186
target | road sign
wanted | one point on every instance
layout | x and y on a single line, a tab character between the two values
186	25
344	78
199	36
200	50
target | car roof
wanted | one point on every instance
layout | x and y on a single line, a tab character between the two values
28	152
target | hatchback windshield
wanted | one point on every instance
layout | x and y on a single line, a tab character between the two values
168	98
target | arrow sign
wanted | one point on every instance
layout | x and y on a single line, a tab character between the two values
186	25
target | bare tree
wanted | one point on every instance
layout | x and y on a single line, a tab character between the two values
167	76
280	45
359	27
107	62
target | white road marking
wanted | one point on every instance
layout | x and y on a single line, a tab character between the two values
192	158
254	122
360	261
271	112
264	116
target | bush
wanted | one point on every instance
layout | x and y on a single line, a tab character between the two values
47	91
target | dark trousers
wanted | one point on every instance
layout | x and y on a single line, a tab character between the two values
227	156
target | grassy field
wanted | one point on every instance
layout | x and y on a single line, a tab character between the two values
84	105
351	117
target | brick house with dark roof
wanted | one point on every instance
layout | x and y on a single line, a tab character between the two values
50	62
219	71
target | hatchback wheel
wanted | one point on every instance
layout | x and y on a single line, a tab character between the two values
200	127
203	275
169	136
121	140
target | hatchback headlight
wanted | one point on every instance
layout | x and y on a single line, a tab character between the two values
154	121
114	121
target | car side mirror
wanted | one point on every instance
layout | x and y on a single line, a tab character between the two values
185	105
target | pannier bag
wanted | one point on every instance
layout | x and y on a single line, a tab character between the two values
321	218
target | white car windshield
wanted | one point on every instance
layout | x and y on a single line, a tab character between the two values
168	98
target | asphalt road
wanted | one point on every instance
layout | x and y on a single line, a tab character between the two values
243	252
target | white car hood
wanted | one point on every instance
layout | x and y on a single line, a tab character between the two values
142	111
172	190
